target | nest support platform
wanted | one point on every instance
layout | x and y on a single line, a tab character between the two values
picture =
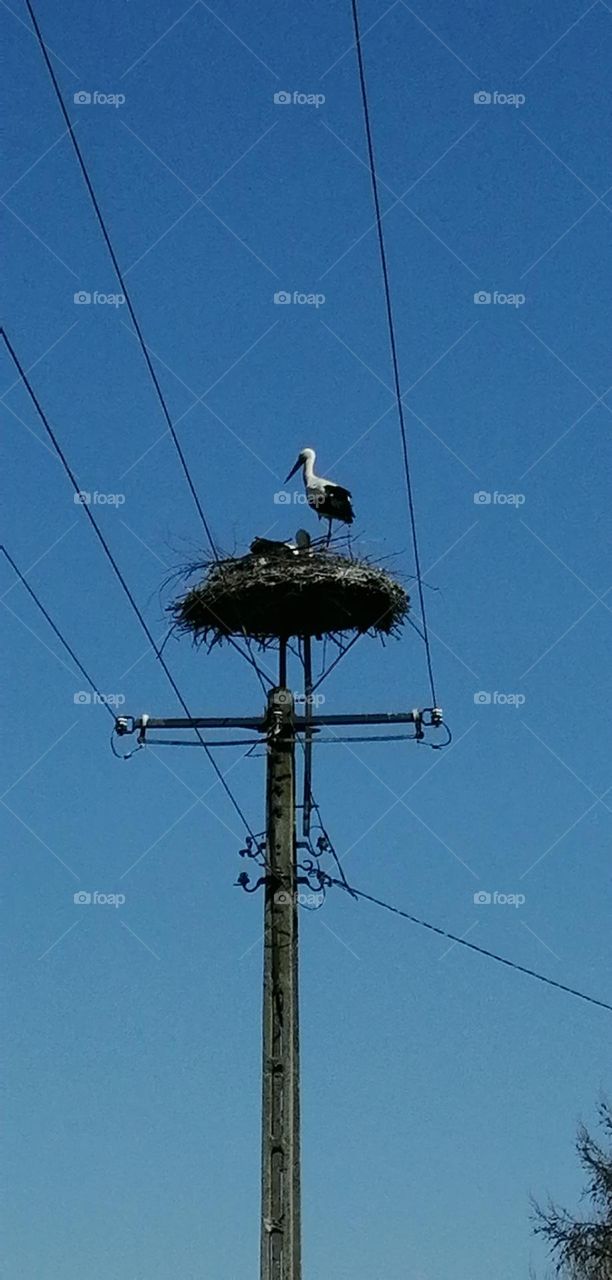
272	596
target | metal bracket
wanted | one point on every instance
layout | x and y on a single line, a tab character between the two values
144	720
123	725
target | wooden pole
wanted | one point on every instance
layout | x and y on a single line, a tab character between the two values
282	663
308	696
280	1208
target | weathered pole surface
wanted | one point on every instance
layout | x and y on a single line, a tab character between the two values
280	1207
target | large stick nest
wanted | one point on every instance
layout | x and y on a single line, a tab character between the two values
308	593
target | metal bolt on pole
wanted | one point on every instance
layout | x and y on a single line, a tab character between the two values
280	1206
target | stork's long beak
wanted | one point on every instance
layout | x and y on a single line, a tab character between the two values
293	470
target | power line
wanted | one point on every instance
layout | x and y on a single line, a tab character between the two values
443	933
483	951
119	274
135	322
58	633
330	848
392	341
328	670
107	551
335	662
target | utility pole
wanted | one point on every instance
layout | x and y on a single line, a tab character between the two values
280	1187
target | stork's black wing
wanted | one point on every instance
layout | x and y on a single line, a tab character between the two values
338	491
268	547
338	505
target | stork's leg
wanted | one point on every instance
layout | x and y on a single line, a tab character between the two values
329	532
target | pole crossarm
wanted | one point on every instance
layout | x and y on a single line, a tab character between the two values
429	716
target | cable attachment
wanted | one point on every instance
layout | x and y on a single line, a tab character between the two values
244	880
324	881
312	871
436	721
418	724
123	725
120	754
253	848
275	724
144	720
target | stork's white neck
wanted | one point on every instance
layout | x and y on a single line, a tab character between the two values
309	462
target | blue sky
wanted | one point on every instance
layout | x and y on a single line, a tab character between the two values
439	1089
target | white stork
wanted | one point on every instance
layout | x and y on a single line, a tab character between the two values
329	500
